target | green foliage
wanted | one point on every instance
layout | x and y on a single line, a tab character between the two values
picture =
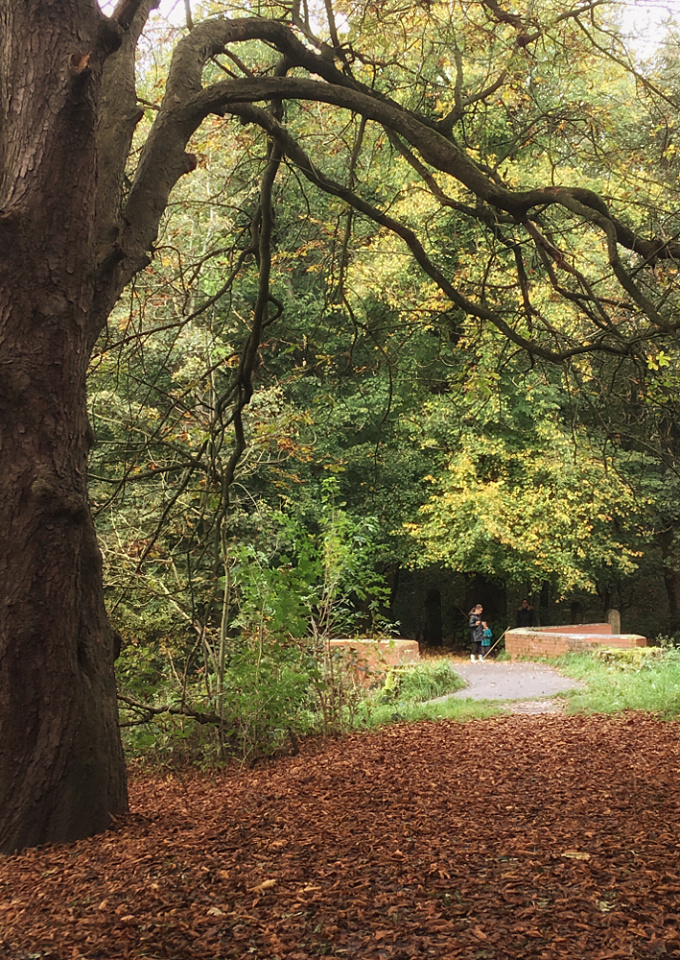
276	594
422	681
321	583
526	497
339	681
386	427
168	740
265	699
142	668
266	672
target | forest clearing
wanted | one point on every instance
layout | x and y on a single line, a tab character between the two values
513	837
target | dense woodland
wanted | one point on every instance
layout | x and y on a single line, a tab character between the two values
380	302
443	403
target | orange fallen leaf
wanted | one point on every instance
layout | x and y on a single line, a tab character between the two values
265	885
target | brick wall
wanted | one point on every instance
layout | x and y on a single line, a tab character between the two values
554	641
367	658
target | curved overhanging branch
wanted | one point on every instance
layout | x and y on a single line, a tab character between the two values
297	155
436	149
126	11
164	159
118	119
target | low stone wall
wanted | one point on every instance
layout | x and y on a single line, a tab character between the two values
368	658
554	641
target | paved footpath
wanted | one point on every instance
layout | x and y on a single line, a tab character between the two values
512	680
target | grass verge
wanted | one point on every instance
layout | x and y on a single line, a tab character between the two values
408	692
616	684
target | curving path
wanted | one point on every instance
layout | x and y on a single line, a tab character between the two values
510	680
531	685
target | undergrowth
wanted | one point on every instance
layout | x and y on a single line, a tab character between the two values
271	701
267	716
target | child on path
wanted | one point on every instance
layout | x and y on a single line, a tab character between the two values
486	640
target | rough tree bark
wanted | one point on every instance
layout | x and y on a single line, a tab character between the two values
62	772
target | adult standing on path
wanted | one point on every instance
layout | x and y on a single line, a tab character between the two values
525	615
476	632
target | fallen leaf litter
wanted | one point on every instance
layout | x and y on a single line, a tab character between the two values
517	837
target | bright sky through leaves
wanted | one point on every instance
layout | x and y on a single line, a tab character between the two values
644	20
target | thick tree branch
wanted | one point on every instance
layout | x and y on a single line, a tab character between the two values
119	115
482	312
126	11
164	159
436	150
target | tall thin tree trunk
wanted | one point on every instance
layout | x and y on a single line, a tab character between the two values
671	576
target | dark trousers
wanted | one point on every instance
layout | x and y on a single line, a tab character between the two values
476	648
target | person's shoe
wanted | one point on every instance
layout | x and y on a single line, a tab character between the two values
472	657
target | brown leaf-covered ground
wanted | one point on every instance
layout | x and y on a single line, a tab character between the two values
517	837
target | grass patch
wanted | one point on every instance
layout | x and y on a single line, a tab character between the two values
370	714
646	679
422	681
408	690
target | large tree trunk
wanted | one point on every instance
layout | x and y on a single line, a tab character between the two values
62	772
